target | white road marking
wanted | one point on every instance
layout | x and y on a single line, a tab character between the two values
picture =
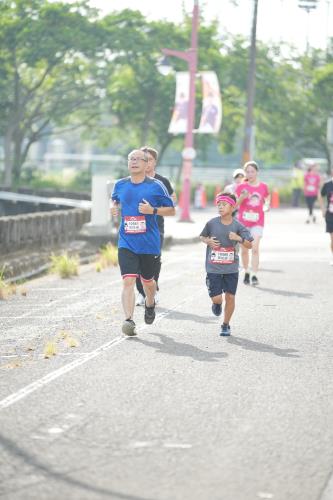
328	491
38	384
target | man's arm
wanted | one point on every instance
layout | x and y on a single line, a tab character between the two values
147	209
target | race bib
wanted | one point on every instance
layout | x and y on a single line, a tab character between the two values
311	188
251	216
330	208
222	255
135	224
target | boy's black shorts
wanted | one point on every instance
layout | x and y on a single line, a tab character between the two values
136	264
221	283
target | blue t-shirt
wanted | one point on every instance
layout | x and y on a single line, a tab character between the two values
139	232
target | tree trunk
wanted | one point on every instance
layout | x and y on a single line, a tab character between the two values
8	179
17	156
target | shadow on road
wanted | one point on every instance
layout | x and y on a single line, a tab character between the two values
178	315
285	293
29	459
259	347
170	346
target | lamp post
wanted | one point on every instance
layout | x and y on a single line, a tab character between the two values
248	143
188	154
308	6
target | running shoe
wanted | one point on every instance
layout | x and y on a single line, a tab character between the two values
140	301
217	309
225	330
149	314
128	327
246	279
254	281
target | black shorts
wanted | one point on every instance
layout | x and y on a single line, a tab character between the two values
329	223
221	283
136	264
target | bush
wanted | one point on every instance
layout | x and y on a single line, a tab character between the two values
64	265
108	256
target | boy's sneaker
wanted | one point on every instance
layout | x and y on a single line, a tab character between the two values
225	330
149	314
254	281
140	301
128	327
246	279
217	309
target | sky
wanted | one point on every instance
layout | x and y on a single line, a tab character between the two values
278	20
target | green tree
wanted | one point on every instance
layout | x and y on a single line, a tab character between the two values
46	51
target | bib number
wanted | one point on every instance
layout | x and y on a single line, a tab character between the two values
251	216
222	255
135	224
311	188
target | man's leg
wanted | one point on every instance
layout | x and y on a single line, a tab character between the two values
128	297
158	263
139	287
150	290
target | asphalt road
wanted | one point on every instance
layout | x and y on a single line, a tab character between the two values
177	413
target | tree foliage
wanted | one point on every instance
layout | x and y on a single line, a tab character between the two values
62	66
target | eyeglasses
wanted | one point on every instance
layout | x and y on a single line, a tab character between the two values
136	158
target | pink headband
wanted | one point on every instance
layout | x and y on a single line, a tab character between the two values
227	199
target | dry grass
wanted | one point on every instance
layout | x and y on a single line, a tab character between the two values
108	256
64	265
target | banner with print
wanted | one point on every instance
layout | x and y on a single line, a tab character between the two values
211	116
179	119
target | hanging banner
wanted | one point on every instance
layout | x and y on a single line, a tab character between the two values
211	116
178	123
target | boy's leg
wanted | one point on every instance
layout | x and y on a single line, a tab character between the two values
229	307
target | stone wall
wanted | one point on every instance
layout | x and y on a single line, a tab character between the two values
40	230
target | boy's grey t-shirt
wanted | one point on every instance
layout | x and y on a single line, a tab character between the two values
225	259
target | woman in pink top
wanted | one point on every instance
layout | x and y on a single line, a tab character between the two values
253	196
311	190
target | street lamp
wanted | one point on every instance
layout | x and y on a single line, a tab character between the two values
188	154
308	6
248	143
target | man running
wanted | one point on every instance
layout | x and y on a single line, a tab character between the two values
152	155
327	192
140	199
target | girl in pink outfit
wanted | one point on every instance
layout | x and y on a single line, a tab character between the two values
311	190
253	196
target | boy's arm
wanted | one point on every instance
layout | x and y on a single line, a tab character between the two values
243	241
211	241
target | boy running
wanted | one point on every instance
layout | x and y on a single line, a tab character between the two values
222	235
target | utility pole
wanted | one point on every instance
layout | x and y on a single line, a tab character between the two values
248	144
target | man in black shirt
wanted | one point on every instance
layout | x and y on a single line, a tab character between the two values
327	192
150	172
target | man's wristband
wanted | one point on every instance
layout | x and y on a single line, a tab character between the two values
155	211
